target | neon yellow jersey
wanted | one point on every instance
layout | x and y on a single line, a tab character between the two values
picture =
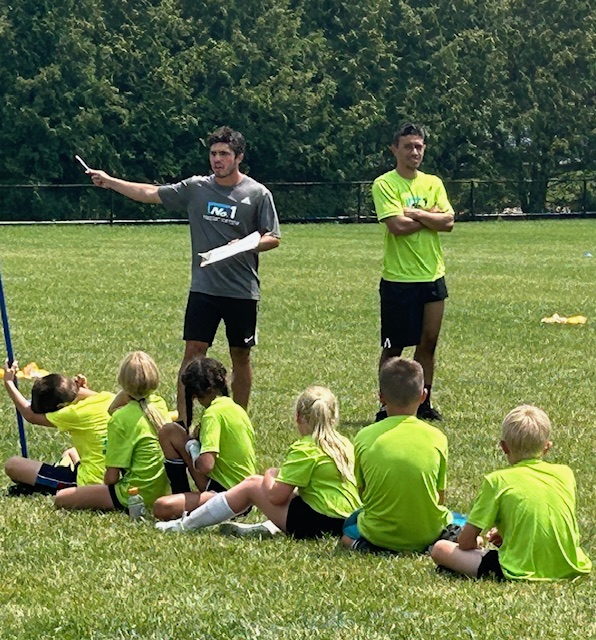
532	503
226	431
87	423
417	257
401	466
319	482
133	446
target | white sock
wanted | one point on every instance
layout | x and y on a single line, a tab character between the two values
212	512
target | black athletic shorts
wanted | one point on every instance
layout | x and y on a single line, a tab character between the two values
402	310
304	522
213	485
54	477
490	567
205	312
117	504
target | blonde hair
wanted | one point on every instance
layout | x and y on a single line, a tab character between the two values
138	377
526	431
318	407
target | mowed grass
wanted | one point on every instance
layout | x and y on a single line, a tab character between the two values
79	298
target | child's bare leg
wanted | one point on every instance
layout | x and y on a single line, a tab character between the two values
94	496
22	469
173	439
251	491
171	507
448	554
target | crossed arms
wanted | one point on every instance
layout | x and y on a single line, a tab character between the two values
414	220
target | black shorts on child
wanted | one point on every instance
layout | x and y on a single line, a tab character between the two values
304	522
490	567
53	477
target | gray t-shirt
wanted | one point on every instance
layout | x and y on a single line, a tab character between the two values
217	215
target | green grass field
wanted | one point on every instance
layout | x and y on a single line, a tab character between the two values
79	298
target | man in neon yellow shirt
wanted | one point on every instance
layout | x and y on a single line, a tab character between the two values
414	209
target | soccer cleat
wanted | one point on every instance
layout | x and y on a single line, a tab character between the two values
428	413
170	526
260	530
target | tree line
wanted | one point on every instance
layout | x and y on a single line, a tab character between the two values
506	88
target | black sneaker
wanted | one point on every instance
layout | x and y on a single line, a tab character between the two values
428	413
381	414
20	489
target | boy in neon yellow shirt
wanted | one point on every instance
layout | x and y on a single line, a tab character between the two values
401	471
532	504
71	407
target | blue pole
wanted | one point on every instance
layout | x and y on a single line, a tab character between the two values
9	351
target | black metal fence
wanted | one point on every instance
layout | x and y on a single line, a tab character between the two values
296	202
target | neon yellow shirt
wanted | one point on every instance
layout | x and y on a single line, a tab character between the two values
532	503
417	257
133	446
226	430
401	466
319	482
87	423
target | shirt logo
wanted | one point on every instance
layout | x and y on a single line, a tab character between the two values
220	210
245	200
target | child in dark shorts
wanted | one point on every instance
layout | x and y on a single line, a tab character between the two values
312	492
68	405
532	504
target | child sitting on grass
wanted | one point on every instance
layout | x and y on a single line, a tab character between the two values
532	504
310	495
133	457
68	405
224	453
401	471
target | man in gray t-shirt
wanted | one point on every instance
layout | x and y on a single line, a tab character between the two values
223	207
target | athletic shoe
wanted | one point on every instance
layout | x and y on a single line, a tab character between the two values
428	413
261	530
381	414
21	489
170	526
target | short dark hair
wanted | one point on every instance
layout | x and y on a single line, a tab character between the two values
227	135
409	129
201	376
401	381
52	392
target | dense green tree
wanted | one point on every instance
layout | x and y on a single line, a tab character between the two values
507	88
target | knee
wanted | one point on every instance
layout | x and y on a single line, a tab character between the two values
193	350
11	467
441	550
162	508
240	357
169	432
63	499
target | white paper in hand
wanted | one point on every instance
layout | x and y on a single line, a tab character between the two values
228	250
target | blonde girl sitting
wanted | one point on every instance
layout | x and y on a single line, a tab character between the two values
133	456
313	491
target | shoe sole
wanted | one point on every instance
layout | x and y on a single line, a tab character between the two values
238	530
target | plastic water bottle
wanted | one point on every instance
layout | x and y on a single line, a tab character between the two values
136	506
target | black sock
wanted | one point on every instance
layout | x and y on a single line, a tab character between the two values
176	472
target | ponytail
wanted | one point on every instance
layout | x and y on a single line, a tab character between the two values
318	407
